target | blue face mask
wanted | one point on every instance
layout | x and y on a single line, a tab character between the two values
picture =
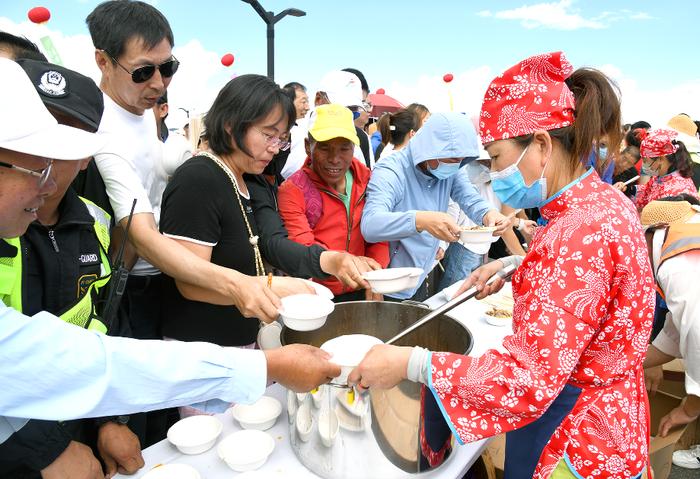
509	186
445	170
603	150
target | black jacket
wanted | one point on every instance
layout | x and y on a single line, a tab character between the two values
60	261
293	258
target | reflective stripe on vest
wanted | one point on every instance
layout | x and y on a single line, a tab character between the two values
680	238
81	313
11	277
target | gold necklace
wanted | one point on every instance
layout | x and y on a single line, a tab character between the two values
252	239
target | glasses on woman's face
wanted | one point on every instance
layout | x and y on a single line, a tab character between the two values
43	174
274	141
144	73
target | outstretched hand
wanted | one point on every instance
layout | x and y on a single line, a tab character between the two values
300	367
383	367
480	276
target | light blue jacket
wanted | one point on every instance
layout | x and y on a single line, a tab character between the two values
51	369
398	188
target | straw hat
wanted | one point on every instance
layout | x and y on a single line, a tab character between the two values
683	124
667	213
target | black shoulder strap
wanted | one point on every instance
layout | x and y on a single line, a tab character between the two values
364	145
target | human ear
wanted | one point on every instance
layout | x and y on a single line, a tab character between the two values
101	60
542	143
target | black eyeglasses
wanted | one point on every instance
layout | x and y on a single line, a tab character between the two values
43	174
144	73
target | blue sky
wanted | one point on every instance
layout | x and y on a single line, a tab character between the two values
406	46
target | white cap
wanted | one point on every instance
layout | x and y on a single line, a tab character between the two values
343	88
26	126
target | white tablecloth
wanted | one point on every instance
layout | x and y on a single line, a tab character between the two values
283	463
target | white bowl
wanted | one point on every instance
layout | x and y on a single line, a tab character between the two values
304	421
348	351
320	289
269	336
413	273
348	421
318	395
305	312
246	450
497	321
172	471
360	404
195	434
478	234
389	280
327	426
260	415
291	405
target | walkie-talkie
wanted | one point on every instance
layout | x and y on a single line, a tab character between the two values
117	284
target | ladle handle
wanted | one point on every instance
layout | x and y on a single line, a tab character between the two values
504	273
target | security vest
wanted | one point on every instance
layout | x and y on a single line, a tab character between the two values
679	238
82	312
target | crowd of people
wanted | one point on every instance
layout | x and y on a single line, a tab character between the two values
138	263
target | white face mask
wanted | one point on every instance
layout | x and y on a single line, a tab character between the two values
479	174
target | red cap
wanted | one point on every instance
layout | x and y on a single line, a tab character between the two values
528	96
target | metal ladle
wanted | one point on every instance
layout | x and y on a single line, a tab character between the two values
504	273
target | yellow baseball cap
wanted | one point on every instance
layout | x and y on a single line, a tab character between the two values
332	121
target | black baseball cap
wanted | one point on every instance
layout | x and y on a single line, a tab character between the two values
66	91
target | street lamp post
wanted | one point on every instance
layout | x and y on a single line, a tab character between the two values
270	19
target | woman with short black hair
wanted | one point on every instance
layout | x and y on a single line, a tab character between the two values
206	208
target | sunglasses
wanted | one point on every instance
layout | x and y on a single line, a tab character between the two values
144	73
43	174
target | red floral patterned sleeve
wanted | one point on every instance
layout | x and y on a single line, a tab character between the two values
565	288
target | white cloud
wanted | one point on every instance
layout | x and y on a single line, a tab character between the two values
560	16
656	106
201	76
194	87
466	89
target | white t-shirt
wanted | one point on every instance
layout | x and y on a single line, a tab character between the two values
680	336
176	150
134	168
297	153
481	180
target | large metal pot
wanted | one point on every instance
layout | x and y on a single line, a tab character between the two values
337	433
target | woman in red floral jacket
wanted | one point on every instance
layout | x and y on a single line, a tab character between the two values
668	163
569	388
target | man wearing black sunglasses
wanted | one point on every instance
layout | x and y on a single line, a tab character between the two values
133	49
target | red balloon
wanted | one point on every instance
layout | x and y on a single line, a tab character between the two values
39	14
381	91
227	60
448	77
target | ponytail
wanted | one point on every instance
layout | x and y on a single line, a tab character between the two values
680	160
383	126
597	115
